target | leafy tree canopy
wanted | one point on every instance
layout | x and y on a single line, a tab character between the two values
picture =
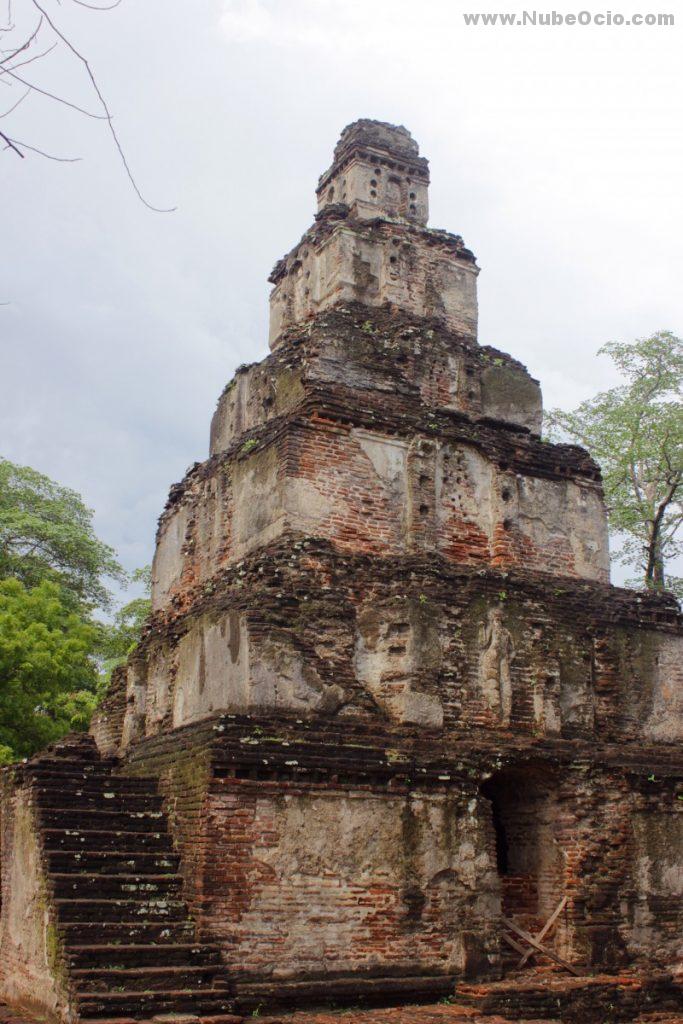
46	533
54	656
635	431
122	635
47	674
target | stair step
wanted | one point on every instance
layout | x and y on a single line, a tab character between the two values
112	1020
104	798
126	933
73	758
172	1018
67	838
127	887
146	910
71	766
112	862
108	956
129	941
142	1005
144	979
93	779
108	821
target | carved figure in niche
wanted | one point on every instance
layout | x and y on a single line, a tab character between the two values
497	652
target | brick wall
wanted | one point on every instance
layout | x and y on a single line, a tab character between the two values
308	881
310	853
314	631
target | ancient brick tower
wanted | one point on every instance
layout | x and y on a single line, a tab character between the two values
387	693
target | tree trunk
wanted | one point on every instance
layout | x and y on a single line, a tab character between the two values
658	575
654	573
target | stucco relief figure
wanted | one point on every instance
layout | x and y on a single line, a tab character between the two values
497	652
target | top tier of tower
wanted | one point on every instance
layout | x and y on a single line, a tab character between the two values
370	242
378	172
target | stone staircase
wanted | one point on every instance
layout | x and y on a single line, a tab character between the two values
126	931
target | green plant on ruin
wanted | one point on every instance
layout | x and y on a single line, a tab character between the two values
191	773
55	954
120	637
248	445
635	431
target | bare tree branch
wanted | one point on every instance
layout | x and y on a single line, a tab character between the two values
107	112
94	7
10	145
26	44
8	70
15	105
53	96
41	152
10	24
30	60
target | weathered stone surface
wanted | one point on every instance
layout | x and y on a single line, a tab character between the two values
93	925
342	259
370	243
377	171
394	482
32	974
370	354
417	641
380	539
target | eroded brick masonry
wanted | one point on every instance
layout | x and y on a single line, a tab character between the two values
387	690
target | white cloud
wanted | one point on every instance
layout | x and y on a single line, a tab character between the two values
554	153
245	20
300	24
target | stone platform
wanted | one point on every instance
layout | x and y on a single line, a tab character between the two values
581	1000
543	996
600	999
433	1014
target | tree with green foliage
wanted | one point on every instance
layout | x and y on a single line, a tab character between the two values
46	533
122	635
635	432
48	676
54	572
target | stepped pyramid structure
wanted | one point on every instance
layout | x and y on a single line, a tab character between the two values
387	701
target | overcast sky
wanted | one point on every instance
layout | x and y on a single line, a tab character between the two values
556	152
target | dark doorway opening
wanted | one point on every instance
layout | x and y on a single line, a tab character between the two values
527	830
502	852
